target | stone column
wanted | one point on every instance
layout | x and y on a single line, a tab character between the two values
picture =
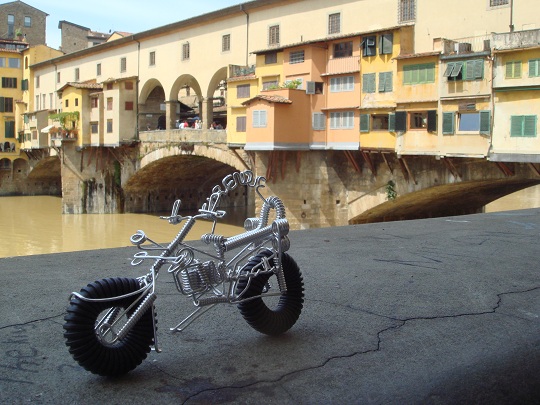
207	115
170	111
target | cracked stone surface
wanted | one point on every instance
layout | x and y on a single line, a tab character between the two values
437	311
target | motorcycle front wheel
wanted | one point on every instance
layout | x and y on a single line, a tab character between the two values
93	348
267	315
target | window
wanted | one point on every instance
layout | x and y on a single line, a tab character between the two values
341	83
240	124
27	21
273	35
407	11
9	82
426	120
523	126
513	69
128	85
380	122
385	82
14	63
314	87
67	103
534	67
334	23
386	43
369	47
129	106
98	69
185	51
259	119
10	130
496	3
6	104
226	43
242	91
343	49
11	25
109	86
109	126
273	84
296	57
152	58
418	74
94	102
76	101
468	70
368	83
77	74
109	103
24	84
94	127
123	65
342	120
2	62
270	58
319	121
58	77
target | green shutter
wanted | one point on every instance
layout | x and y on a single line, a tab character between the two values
516	125
364	122
392	122
389	82
401	121
2	104
449	69
534	65
407	77
430	73
448	123
529	125
478	68
10	129
432	121
385	44
368	83
485	122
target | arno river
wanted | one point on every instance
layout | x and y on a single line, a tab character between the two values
35	225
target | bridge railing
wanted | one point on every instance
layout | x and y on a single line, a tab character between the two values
185	135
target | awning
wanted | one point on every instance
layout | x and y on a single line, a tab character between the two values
47	129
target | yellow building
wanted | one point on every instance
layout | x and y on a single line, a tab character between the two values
516	86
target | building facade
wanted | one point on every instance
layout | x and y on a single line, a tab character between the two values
19	21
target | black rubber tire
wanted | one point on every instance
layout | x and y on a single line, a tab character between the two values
83	343
257	314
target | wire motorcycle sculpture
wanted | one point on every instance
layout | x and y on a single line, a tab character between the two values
111	324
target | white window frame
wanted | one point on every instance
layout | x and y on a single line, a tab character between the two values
260	119
318	121
334	24
296	57
341	84
342	120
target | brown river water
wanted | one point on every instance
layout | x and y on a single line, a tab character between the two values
35	225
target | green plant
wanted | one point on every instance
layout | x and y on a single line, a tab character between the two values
391	193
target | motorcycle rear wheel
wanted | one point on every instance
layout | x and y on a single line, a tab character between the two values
94	352
258	313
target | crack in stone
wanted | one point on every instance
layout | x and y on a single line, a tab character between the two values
402	322
30	322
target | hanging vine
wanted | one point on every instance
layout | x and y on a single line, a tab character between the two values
64	117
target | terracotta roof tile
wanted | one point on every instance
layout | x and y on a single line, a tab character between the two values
270	99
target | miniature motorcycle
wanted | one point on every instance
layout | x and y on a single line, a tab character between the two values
111	324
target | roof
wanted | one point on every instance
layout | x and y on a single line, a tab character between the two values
70	23
82	85
241	78
165	29
418	55
270	99
23	3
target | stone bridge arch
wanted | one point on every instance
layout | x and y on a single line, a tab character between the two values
187	172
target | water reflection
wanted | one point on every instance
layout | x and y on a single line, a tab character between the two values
35	225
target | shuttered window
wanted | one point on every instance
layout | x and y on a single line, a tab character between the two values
240	124
342	120
401	121
385	44
364	123
342	83
319	121
418	74
485	122
513	69
523	126
534	67
385	82
368	83
448	123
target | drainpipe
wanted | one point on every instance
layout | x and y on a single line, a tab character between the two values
511	15
247	32
137	86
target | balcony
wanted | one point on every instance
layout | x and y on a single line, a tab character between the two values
516	40
342	65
